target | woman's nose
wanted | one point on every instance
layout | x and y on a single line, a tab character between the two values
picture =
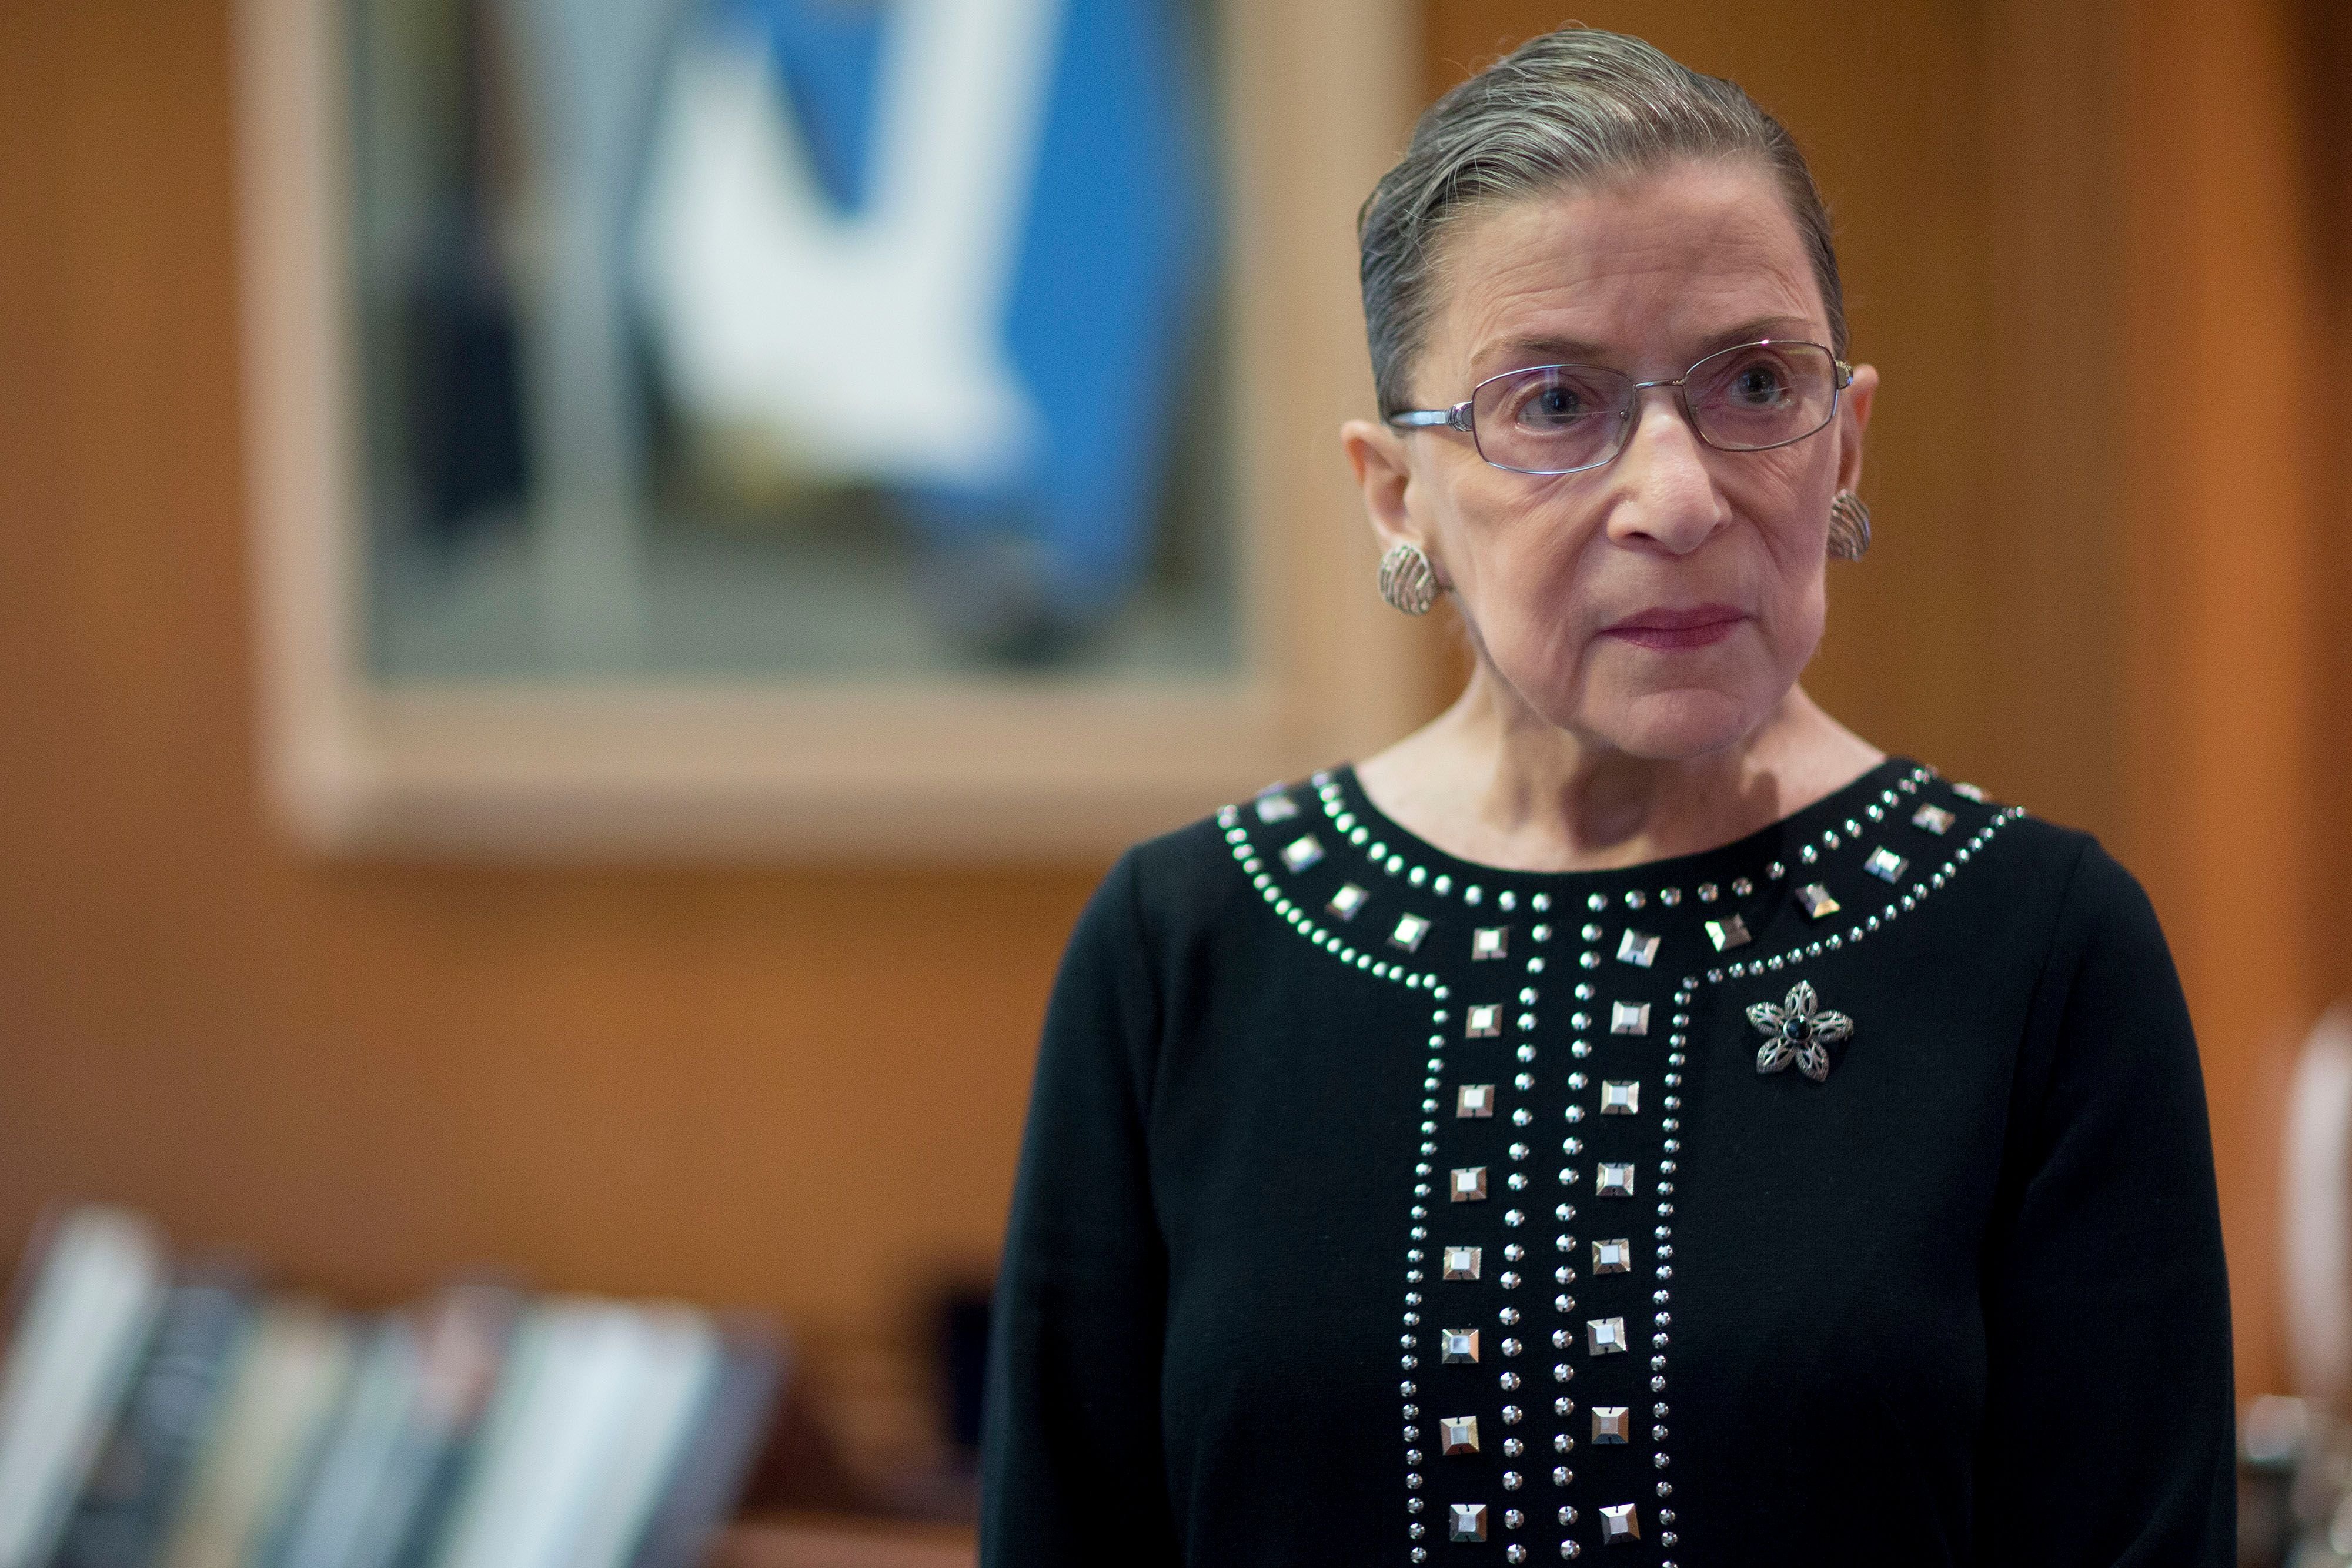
1667	496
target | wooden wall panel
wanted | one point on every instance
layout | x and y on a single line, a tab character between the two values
2233	712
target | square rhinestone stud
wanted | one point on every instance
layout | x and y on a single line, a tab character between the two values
1347	901
1619	1525
1934	819
1612	1257
1727	933
1462	1263
1274	805
1458	1433
1457	1347
1637	948
1604	1336
1612	1180
1815	900
1409	930
1885	864
1621	1097
1474	1100
1469	1185
1489	942
1629	1018
1485	1019
1611	1424
1301	852
1465	1522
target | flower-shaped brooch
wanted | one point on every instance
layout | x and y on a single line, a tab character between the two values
1798	1030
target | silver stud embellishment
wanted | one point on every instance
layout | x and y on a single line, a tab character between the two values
1490	942
1613	1180
1934	819
1469	1185
1347	901
1621	1097
1474	1100
1485	1021
1611	1424
1619	1525
1798	1030
1968	792
1462	1263
1629	1018
1612	1257
1815	900
1605	1336
1457	1347
1637	948
1457	1434
1885	864
1465	1522
1727	933
1302	851
1274	806
1409	930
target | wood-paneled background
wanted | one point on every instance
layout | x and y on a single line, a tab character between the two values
2106	466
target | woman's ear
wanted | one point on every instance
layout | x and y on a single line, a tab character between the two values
1377	455
1854	418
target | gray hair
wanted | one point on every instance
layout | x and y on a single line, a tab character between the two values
1563	110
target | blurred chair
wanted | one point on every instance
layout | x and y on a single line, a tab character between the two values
2295	1453
2316	1213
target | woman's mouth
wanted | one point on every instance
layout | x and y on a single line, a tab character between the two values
1665	629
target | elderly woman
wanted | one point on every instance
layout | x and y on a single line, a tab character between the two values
1632	1115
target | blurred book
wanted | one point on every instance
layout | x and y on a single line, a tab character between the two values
136	1486
717	1462
296	1363
94	1281
394	1454
586	1427
149	1420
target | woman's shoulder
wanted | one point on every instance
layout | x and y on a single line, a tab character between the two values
1204	871
2064	873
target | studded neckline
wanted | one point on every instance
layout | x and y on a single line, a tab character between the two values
1766	855
1580	964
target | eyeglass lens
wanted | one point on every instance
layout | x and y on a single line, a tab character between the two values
1558	419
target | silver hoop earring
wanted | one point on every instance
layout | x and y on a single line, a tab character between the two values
1407	579
1849	526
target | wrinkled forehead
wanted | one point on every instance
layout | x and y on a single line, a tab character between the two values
1643	274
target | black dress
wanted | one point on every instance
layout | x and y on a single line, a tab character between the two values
1839	1196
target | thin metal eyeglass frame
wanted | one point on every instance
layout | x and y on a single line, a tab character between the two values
1461	415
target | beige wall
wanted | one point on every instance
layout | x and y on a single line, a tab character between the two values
800	1089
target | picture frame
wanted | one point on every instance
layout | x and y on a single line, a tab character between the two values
1319	94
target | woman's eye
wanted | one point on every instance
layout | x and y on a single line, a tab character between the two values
1758	384
1550	404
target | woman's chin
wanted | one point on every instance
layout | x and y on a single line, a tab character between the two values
1674	726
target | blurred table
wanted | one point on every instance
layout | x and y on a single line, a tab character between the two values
826	1540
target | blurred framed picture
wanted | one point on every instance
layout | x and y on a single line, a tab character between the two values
809	426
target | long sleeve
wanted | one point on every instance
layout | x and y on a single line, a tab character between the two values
2106	1435
1074	1471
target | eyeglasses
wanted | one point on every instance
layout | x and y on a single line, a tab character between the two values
1564	419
